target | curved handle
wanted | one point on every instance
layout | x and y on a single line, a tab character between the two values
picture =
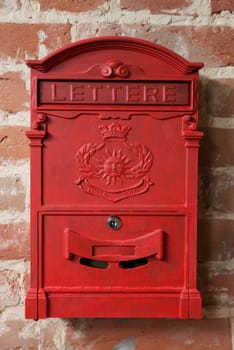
149	244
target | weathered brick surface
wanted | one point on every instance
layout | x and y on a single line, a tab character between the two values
217	190
12	340
12	194
217	98
149	334
99	30
29	335
31	35
222	5
223	282
71	6
13	143
211	45
216	286
215	240
9	289
14	240
13	94
118	335
217	147
156	6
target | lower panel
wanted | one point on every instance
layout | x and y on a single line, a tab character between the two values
121	305
112	305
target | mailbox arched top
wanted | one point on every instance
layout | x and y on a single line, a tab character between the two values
147	48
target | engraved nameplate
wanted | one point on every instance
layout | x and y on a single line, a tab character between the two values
116	93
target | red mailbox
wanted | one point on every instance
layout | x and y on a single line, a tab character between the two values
114	147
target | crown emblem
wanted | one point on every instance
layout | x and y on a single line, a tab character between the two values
114	131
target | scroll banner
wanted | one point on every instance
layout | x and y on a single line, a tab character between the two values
115	195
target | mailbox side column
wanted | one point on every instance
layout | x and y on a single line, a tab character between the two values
35	300
190	298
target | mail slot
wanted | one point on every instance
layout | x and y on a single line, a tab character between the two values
114	148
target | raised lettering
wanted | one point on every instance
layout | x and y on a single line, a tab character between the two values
150	94
169	93
132	93
54	96
114	91
77	93
96	89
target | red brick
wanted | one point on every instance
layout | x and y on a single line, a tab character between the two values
22	40
71	6
14	240
13	94
217	97
216	190
222	5
215	240
149	334
156	6
13	143
217	147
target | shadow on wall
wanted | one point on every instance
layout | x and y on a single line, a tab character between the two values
216	191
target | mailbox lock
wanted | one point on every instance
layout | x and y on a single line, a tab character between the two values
114	222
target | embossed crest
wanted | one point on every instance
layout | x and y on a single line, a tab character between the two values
115	169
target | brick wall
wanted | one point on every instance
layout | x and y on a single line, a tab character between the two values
198	30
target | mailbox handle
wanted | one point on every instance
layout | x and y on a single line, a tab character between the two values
149	244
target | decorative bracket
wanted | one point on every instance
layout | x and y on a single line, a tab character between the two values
189	123
189	131
36	134
114	68
41	118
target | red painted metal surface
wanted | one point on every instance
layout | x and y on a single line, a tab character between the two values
114	147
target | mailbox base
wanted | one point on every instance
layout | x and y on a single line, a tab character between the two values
116	305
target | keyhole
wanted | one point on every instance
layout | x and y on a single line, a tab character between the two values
114	222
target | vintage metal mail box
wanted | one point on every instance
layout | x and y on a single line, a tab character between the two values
114	147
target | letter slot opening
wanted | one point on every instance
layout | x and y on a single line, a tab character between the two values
133	263
98	264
